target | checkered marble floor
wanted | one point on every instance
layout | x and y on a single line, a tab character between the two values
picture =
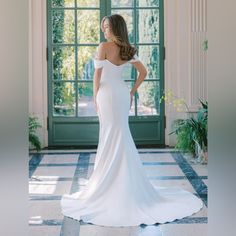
53	173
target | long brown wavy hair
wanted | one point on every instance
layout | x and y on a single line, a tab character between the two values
119	29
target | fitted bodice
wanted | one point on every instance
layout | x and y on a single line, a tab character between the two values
111	70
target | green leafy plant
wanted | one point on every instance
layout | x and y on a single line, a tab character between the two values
33	126
205	45
183	131
191	133
200	127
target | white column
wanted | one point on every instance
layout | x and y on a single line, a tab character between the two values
178	57
198	77
38	65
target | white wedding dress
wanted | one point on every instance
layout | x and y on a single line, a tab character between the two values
118	193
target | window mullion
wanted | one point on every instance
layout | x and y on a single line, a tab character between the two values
76	62
108	7
135	44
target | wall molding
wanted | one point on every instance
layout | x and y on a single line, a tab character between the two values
198	55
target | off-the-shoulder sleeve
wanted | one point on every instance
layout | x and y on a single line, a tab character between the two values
98	63
135	58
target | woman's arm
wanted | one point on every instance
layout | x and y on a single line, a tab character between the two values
96	83
98	71
142	75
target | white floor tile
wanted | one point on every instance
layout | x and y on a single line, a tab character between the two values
201	213
163	170
158	157
92	158
184	229
150	230
200	169
45	210
62	171
49	187
184	184
93	230
60	159
44	230
90	171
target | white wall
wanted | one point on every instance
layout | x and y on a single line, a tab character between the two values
185	73
185	65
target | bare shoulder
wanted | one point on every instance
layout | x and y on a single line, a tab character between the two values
101	51
108	45
104	49
102	46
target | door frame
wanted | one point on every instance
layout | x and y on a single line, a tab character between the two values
85	130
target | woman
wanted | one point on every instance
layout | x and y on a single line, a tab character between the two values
117	50
118	192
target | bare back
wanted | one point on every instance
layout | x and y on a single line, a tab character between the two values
112	52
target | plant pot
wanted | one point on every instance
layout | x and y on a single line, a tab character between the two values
198	150
201	154
205	156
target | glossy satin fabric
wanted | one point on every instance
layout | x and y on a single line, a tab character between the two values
118	193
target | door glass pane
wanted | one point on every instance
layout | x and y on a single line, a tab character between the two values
148	98
85	100
128	16
63	63
149	55
63	26
88	3
132	109
88	26
147	3
63	3
64	99
86	54
122	3
148	26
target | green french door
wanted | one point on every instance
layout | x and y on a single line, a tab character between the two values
73	36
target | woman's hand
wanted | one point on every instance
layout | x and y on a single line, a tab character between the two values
95	104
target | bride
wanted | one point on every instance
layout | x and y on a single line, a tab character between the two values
118	193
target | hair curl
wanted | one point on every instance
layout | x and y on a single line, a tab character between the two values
119	29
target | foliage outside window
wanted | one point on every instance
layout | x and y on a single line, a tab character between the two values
75	36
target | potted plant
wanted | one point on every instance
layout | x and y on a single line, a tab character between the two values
200	131
34	124
191	133
183	131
